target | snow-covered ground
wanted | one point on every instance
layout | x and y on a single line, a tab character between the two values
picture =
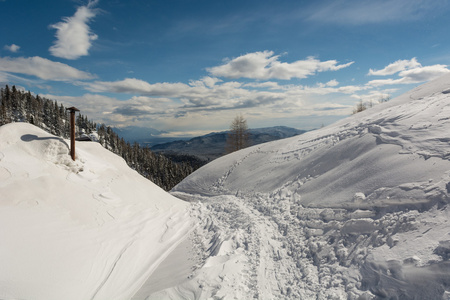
89	229
355	210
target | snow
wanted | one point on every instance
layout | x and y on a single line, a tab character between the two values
406	138
356	210
89	229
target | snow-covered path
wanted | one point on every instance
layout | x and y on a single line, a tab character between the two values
266	248
355	210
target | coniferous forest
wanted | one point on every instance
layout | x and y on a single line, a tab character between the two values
18	106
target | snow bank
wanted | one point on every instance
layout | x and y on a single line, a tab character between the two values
89	229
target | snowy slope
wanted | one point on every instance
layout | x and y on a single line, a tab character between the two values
89	229
395	152
356	210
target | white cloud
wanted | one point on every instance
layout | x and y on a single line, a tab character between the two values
395	67
73	35
115	112
374	96
422	74
208	95
207	102
95	106
42	68
267	84
13	48
3	78
265	65
137	86
350	89
381	82
332	82
205	81
416	75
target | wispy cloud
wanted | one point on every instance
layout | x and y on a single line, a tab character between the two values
423	74
265	65
205	106
374	96
395	67
73	35
137	86
42	68
12	48
210	94
409	71
355	12
213	101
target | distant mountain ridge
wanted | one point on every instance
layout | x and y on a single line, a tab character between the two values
211	146
144	136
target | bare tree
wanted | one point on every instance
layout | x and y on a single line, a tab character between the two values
238	137
384	99
360	107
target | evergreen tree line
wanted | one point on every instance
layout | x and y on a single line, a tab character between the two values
18	106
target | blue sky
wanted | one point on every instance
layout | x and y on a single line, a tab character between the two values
188	67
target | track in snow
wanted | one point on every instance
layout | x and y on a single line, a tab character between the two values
270	247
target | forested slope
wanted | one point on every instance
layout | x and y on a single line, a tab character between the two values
18	106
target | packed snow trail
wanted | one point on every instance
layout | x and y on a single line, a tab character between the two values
274	248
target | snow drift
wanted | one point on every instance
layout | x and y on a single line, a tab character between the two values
356	210
89	229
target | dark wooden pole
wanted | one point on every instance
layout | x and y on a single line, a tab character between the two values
72	130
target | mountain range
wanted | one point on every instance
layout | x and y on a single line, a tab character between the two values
211	146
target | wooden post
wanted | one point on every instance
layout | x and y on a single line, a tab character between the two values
72	130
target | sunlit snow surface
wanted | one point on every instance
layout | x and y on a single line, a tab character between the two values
89	229
356	210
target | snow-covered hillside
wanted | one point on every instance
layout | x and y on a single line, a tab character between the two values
89	229
356	210
395	152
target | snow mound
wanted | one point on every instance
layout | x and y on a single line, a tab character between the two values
396	153
85	229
